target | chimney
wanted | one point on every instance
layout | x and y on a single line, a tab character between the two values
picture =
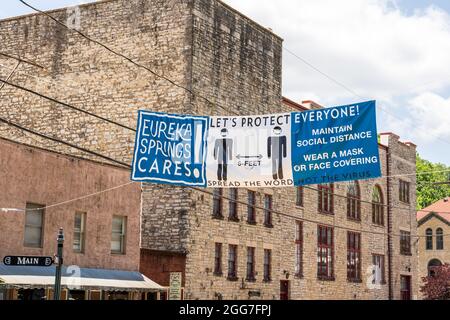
311	105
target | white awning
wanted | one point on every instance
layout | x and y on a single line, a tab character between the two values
76	278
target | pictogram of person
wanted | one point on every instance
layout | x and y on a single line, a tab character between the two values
276	149
223	149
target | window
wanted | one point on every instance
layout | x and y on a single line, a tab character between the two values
432	266
403	190
325	253
429	239
405	287
118	234
233	205
217	203
34	221
79	231
232	262
377	206
378	269
218	259
298	248
439	239
267	264
405	243
299	197
251	210
326	198
250	264
353	256
353	201
268	210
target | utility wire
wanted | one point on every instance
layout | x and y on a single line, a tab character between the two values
139	65
202	190
65	104
10	74
12	124
116	123
21	60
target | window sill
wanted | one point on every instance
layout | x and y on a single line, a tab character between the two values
354	219
267	280
326	213
298	275
117	253
378	225
232	278
233	219
406	253
354	280
299	205
250	279
268	225
251	222
218	274
217	217
324	278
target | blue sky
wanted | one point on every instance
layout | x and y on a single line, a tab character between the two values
394	51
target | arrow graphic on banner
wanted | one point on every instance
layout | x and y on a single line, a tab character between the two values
259	156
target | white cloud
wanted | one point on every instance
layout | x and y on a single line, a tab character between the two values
372	47
429	115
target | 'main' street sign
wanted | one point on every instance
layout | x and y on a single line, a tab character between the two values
28	261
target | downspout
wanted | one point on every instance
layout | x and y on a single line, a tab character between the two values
389	222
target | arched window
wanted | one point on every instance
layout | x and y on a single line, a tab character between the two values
326	198
377	206
353	201
429	239
433	264
439	239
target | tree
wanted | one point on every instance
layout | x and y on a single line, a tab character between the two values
428	193
437	286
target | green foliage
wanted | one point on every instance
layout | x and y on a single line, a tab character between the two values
428	193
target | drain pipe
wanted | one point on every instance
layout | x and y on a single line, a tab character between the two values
389	221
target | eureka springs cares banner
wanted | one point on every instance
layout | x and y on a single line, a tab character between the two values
275	150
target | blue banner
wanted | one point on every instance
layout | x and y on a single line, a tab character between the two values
170	149
335	144
276	150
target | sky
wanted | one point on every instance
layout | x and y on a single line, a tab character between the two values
396	52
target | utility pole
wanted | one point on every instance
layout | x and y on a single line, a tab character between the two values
59	256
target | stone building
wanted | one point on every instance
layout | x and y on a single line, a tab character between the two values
233	66
433	225
42	191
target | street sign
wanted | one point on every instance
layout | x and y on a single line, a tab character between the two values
28	261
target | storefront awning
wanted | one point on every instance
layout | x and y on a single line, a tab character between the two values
75	278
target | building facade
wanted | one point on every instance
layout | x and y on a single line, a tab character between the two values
218	54
433	225
43	191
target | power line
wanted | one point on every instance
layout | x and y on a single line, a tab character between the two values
134	130
106	47
10	74
69	201
21	60
65	104
132	61
203	190
10	123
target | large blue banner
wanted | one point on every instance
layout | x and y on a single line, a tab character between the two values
277	150
170	149
335	144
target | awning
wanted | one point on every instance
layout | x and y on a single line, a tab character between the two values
75	278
